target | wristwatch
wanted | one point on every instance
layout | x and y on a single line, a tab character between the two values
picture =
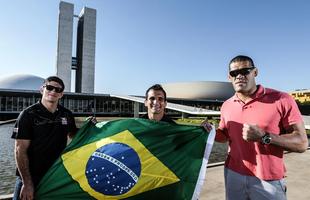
266	139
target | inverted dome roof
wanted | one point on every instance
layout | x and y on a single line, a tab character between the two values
21	82
211	90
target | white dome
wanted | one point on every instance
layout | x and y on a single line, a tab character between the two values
199	90
21	82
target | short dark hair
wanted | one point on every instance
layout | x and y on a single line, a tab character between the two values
156	87
241	58
55	79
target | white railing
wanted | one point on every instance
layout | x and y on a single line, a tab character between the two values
173	106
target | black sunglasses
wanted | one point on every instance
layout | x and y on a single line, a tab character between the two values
243	72
56	89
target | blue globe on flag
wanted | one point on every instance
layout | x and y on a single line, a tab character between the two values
113	169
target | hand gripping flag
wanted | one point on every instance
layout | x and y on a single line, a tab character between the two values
130	159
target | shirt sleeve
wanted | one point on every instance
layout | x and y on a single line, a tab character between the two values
291	114
222	123
23	127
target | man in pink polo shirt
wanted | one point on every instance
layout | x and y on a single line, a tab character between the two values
259	123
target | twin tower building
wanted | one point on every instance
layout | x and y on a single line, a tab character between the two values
83	60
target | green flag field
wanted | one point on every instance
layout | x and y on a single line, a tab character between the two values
130	159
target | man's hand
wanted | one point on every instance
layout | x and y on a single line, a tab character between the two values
251	132
27	192
92	119
206	125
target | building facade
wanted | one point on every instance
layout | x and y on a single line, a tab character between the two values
13	101
302	96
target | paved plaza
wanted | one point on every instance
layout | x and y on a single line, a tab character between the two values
298	179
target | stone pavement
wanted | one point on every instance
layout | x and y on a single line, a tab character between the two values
298	179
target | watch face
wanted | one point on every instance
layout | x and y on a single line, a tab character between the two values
266	139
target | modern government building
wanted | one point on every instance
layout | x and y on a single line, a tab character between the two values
20	91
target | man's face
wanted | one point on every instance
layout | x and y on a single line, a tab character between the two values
155	102
242	76
50	91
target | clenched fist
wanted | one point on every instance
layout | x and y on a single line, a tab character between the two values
251	132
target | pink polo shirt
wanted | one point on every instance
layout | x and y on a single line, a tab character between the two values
271	110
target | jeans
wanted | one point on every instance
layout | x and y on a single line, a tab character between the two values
18	187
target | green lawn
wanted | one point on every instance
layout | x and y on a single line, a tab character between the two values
194	121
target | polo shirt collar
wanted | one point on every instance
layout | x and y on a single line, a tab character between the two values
261	91
45	109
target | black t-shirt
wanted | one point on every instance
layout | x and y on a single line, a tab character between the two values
47	133
164	119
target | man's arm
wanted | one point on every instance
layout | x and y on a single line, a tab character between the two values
294	140
74	129
220	134
22	162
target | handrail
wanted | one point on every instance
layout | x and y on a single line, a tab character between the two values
6	197
7	121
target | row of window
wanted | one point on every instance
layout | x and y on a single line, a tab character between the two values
9	103
86	104
96	105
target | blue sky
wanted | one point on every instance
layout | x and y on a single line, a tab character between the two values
142	42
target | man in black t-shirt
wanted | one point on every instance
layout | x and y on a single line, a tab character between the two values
156	102
40	134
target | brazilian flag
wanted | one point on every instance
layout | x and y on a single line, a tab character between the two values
130	159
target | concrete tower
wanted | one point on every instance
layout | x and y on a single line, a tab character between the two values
85	51
64	44
84	61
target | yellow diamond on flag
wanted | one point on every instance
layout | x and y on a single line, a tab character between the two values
117	167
